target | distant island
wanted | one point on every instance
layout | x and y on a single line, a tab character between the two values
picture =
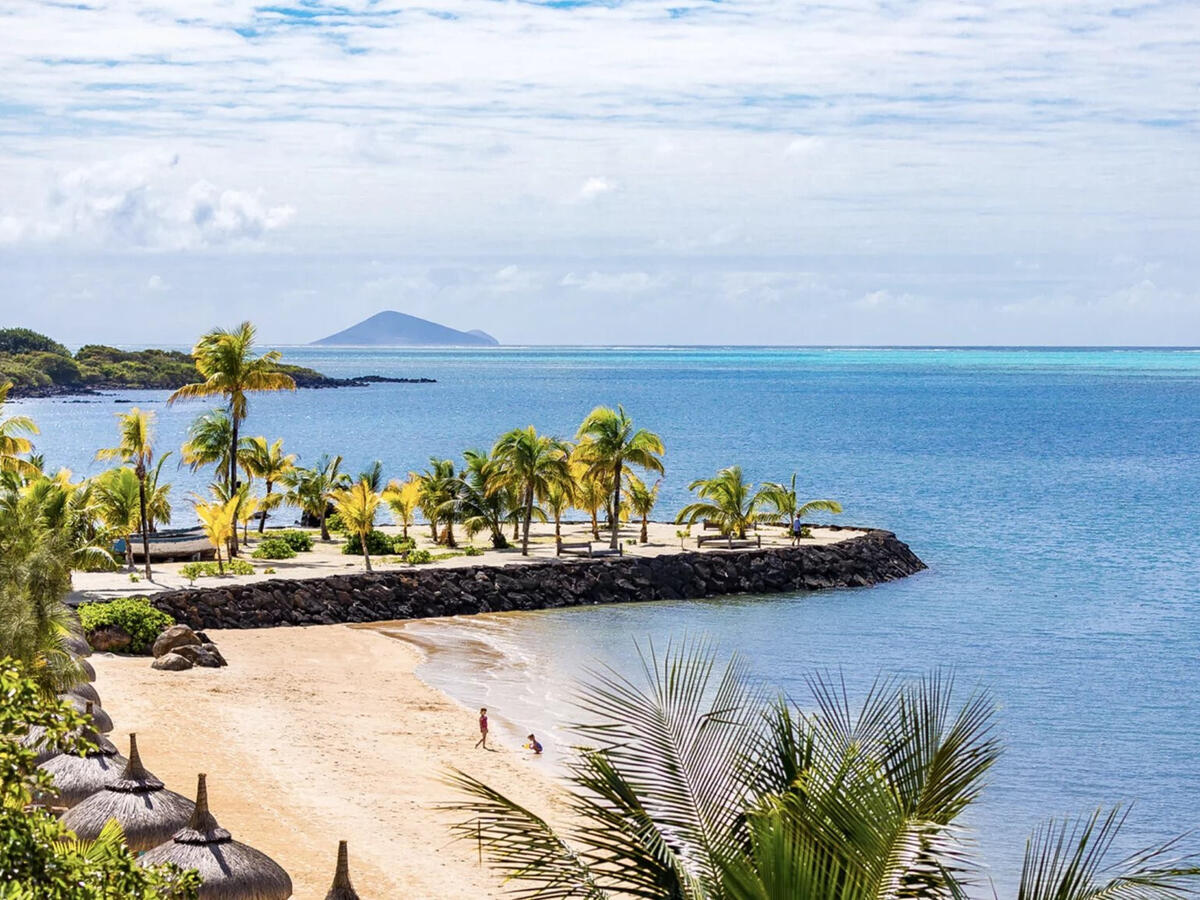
396	329
39	366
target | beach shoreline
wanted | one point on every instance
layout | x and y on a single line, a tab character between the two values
322	733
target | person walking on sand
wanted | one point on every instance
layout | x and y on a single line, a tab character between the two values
482	742
797	530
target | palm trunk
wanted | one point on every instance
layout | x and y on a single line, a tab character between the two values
595	525
145	523
528	519
220	565
645	529
616	503
450	542
557	525
362	539
516	528
324	529
433	528
262	523
129	552
233	541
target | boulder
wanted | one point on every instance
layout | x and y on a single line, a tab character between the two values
198	656
212	648
171	662
110	639
173	637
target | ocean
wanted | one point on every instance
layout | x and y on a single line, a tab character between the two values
1053	494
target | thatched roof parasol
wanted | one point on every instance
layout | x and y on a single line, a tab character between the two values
77	645
86	692
228	870
78	777
35	739
101	721
147	812
342	889
88	670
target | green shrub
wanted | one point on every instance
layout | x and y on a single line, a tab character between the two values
403	544
239	567
300	541
133	615
378	544
472	551
193	570
334	524
418	557
274	548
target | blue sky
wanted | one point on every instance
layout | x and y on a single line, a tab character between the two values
725	171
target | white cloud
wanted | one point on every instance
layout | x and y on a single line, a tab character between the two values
155	283
595	187
613	282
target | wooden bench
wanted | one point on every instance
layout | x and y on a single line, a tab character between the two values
729	541
710	525
586	550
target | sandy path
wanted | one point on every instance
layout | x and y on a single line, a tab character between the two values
316	734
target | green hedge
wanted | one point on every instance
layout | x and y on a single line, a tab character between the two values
134	615
300	541
274	548
378	544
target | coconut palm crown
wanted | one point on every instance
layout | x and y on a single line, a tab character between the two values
786	508
136	448
14	444
727	500
357	506
530	463
608	445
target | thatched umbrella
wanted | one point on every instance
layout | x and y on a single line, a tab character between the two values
147	812
101	721
77	777
342	889
77	645
228	870
35	739
88	670
86	692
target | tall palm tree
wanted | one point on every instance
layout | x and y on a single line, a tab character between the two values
530	464
14	445
119	493
726	499
591	491
226	362
437	488
403	498
609	445
560	497
136	449
785	508
208	443
311	490
357	506
271	464
218	519
694	786
641	500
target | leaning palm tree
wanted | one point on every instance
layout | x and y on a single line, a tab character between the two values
136	449
311	490
271	464
530	464
727	500
403	499
477	503
609	445
694	786
14	445
786	509
357	506
641	500
226	362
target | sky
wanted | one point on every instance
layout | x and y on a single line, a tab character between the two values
576	172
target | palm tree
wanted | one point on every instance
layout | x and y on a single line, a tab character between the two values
271	464
357	506
530	464
119	495
136	448
693	786
311	490
403	498
591	492
560	496
208	442
641	501
218	518
727	500
437	486
224	360
785	507
609	445
478	503
158	496
13	443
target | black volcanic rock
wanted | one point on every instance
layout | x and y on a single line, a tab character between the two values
396	329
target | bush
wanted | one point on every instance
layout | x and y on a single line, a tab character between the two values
193	570
378	544
133	615
333	523
403	544
300	541
418	557
274	548
472	551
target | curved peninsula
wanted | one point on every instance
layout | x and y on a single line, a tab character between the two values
865	557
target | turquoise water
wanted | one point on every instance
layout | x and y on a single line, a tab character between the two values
1052	493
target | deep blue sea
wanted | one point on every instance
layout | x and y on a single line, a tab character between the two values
1053	494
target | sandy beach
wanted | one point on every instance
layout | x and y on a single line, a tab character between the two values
312	735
